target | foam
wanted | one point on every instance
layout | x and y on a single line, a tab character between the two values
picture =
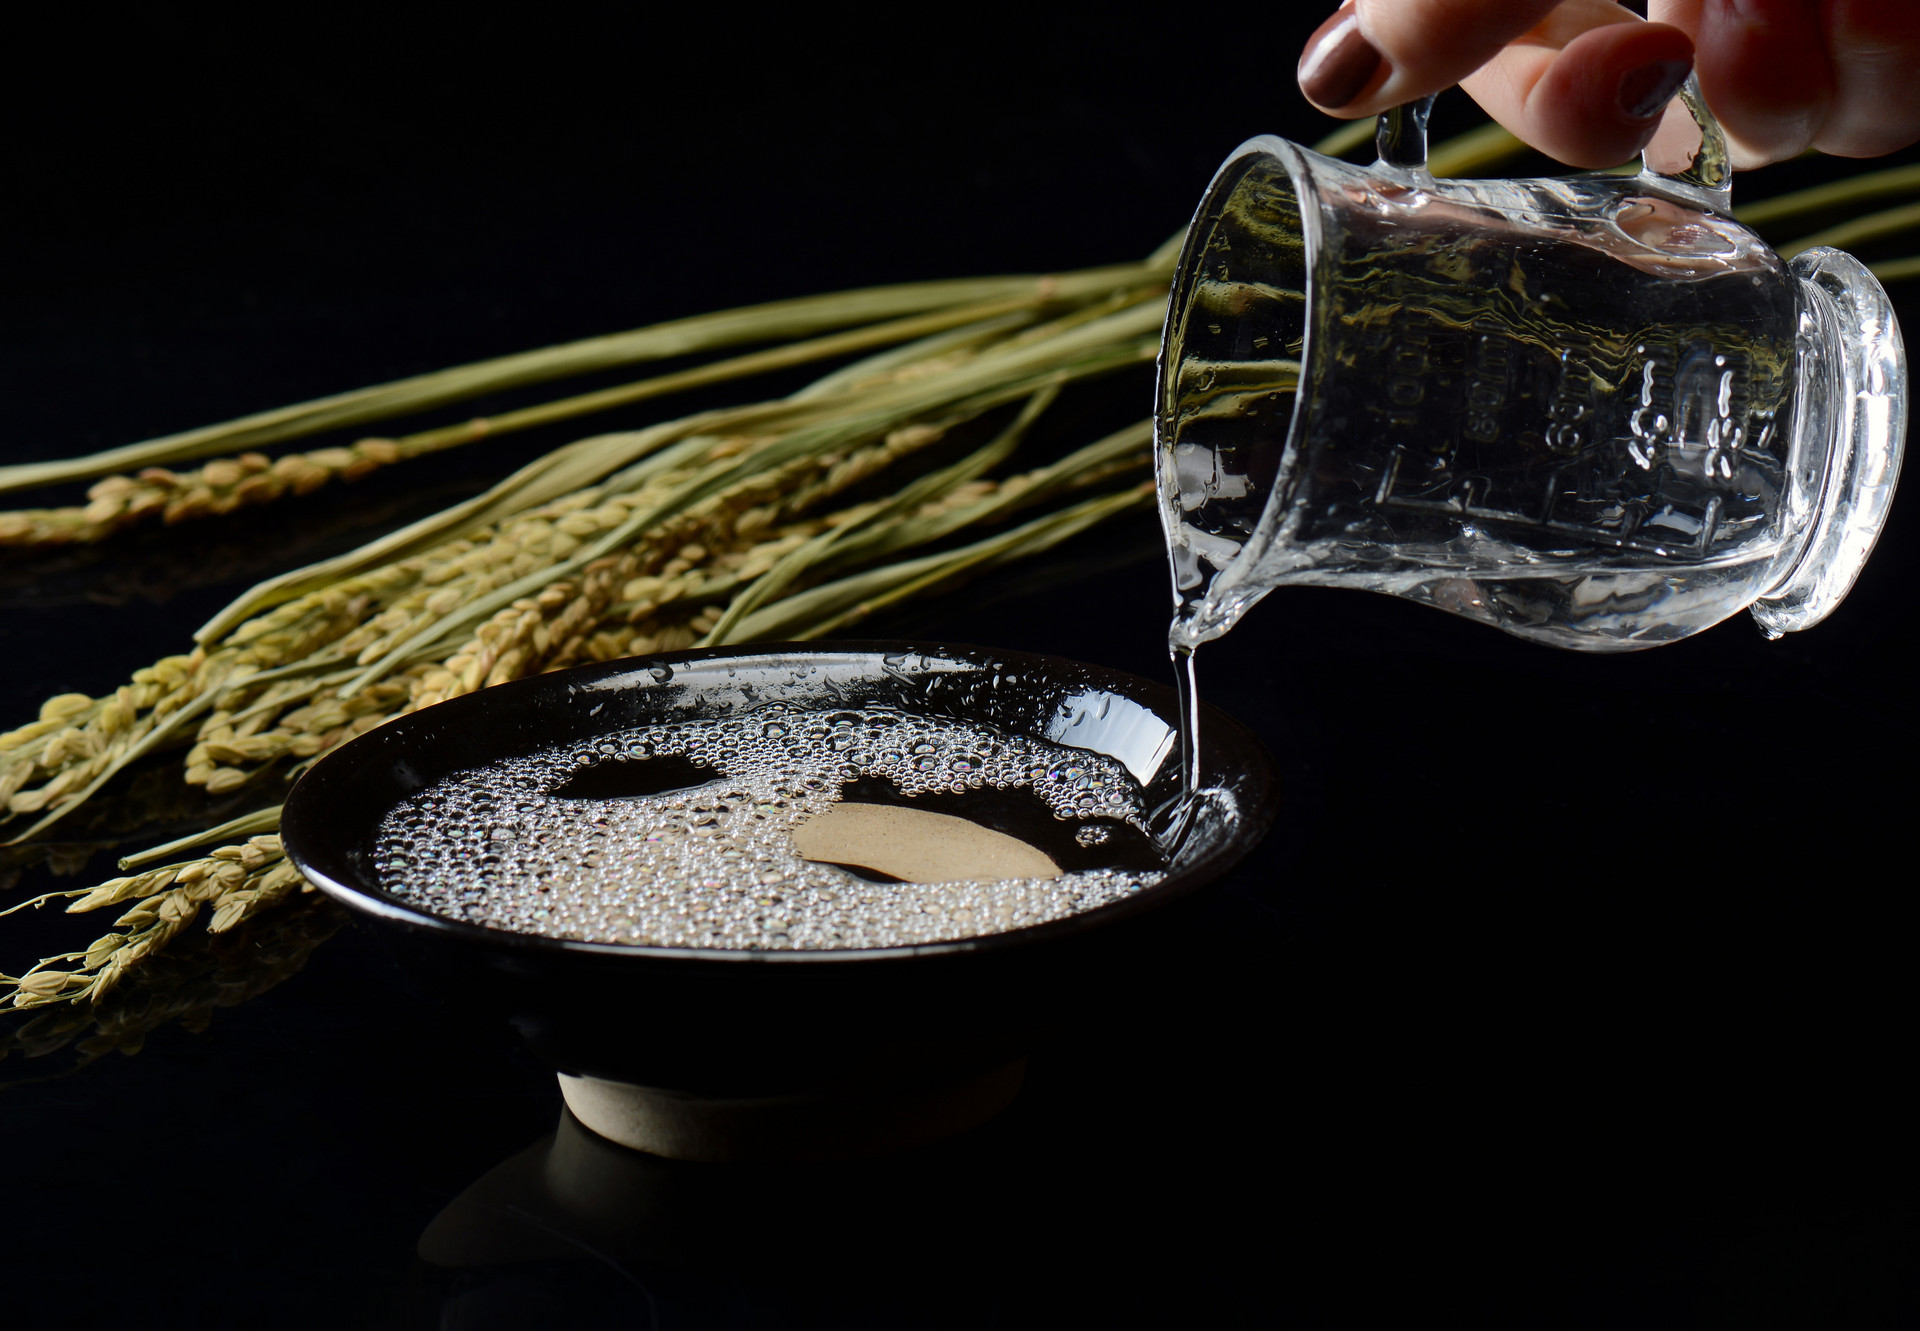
715	865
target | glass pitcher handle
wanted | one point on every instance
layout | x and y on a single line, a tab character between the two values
1707	172
1400	139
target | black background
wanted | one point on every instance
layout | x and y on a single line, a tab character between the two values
1568	992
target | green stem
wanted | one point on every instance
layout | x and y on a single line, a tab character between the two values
821	610
1475	151
1850	192
257	823
1874	226
715	372
588	461
770	322
769	585
1897	270
1086	351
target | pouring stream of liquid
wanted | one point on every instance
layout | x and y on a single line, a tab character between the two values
1172	821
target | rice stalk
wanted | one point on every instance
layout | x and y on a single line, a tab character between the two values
574	466
1858	231
259	822
1475	152
839	605
1850	192
626	604
219	488
183	985
791	565
237	881
223	486
772	321
1086	350
1896	270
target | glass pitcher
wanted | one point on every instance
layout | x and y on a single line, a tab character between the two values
1593	411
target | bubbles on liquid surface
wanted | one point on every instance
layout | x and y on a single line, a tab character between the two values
714	864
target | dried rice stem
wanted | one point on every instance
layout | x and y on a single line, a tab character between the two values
551	627
54	778
223	486
238	880
834	606
774	321
216	489
1859	230
803	424
1851	192
184	984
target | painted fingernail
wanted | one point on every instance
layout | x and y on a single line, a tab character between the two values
1339	63
1644	92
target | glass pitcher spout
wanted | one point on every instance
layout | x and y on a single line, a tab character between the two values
1594	412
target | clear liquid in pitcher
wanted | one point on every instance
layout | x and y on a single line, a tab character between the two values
1555	406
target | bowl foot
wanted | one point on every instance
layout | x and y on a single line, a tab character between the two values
834	1124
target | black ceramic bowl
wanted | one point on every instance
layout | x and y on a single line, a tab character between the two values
743	1024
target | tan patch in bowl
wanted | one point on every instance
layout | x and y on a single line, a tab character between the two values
918	846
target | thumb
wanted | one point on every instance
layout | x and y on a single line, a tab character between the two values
1373	54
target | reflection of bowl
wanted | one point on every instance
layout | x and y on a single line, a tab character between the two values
783	1053
589	1233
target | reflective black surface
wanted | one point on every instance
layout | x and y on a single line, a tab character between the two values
1567	992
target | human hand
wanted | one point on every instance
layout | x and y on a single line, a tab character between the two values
1585	81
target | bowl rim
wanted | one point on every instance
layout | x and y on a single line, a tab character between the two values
300	829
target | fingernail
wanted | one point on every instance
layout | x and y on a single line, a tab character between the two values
1645	92
1339	62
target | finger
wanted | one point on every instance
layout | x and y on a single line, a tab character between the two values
1592	100
1874	48
1373	54
1764	70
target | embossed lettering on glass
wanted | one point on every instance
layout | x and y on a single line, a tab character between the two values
1592	411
